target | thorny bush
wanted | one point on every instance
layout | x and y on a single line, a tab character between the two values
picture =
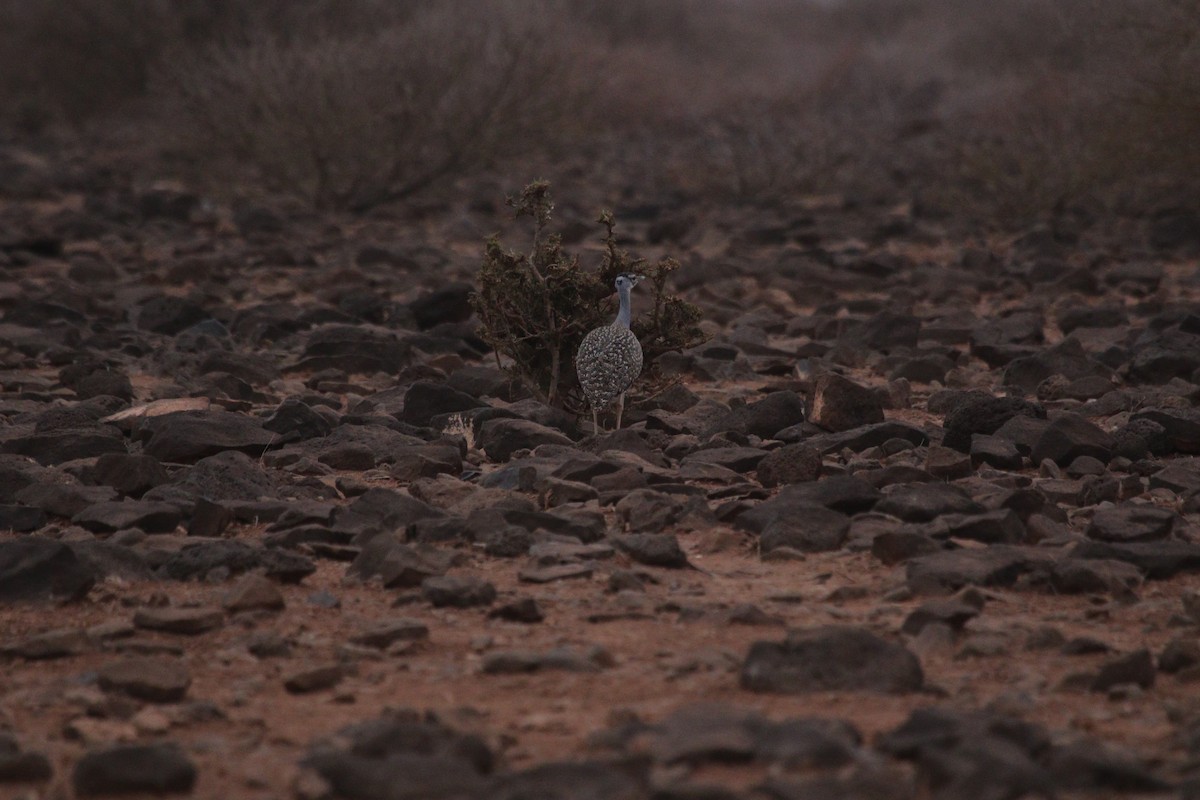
536	306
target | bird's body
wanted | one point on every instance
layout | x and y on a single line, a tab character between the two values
610	358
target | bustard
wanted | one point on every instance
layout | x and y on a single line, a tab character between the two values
610	358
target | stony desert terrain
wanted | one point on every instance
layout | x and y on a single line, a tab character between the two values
917	521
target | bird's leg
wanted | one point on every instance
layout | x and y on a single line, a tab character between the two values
620	410
595	423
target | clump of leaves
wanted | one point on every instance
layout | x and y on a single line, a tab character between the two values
536	306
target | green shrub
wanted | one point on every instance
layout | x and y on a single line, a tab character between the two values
535	307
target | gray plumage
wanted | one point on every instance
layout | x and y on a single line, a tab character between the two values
610	358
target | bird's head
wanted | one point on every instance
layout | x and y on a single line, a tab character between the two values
628	280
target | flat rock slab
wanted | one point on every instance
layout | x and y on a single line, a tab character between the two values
653	549
1131	523
510	662
187	621
950	570
314	678
385	634
145	515
860	439
61	643
738	459
838	404
160	768
458	592
1158	560
559	572
500	438
187	437
34	569
154	680
831	659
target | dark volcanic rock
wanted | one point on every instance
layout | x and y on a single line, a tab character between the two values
21	519
58	446
458	592
654	549
33	569
196	561
831	659
154	680
169	315
738	459
1158	560
976	414
424	400
950	570
149	516
160	768
1069	436
313	678
858	439
838	404
1181	427
1136	668
951	613
1067	358
1094	576
401	756
770	415
131	475
793	463
227	476
399	565
844	493
816	530
185	621
17	766
995	452
921	502
189	436
356	349
500	438
1130	523
295	421
450	303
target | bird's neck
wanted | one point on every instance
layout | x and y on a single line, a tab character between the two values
623	313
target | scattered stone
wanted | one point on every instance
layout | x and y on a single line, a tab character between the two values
1136	668
816	530
254	593
186	621
458	592
922	502
500	438
151	679
384	634
947	464
1069	436
1131	523
34	569
653	549
831	659
793	463
976	414
838	404
144	515
160	768
524	610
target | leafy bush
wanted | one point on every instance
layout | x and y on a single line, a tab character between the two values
535	307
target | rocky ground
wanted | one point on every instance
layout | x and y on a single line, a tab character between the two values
918	521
